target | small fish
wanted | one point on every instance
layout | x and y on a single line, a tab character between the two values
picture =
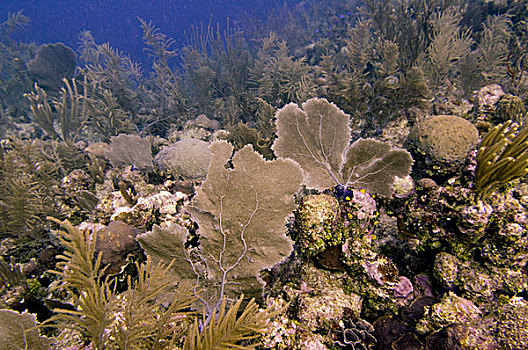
341	192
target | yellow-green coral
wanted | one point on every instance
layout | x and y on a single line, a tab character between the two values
316	219
502	158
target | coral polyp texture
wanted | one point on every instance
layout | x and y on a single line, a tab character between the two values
440	144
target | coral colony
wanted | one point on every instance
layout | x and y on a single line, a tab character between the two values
342	175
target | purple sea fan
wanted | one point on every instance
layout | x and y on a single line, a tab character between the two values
318	138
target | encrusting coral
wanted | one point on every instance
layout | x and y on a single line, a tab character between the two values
510	107
315	229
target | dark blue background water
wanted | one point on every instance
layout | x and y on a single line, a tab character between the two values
115	21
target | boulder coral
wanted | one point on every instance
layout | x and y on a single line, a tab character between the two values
440	143
188	158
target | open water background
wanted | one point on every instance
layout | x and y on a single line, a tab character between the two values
116	21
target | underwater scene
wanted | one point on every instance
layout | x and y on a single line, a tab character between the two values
290	175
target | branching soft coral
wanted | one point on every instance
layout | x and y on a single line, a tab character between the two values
502	158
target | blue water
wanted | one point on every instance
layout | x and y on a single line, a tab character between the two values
116	21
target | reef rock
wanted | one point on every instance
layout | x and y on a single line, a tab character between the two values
512	332
485	102
452	309
321	299
315	218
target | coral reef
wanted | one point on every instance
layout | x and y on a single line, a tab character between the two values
321	301
303	228
71	111
451	309
116	242
20	331
448	45
510	107
510	333
486	102
315	224
240	212
356	334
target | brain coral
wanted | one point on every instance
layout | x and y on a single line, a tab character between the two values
439	144
188	158
445	138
